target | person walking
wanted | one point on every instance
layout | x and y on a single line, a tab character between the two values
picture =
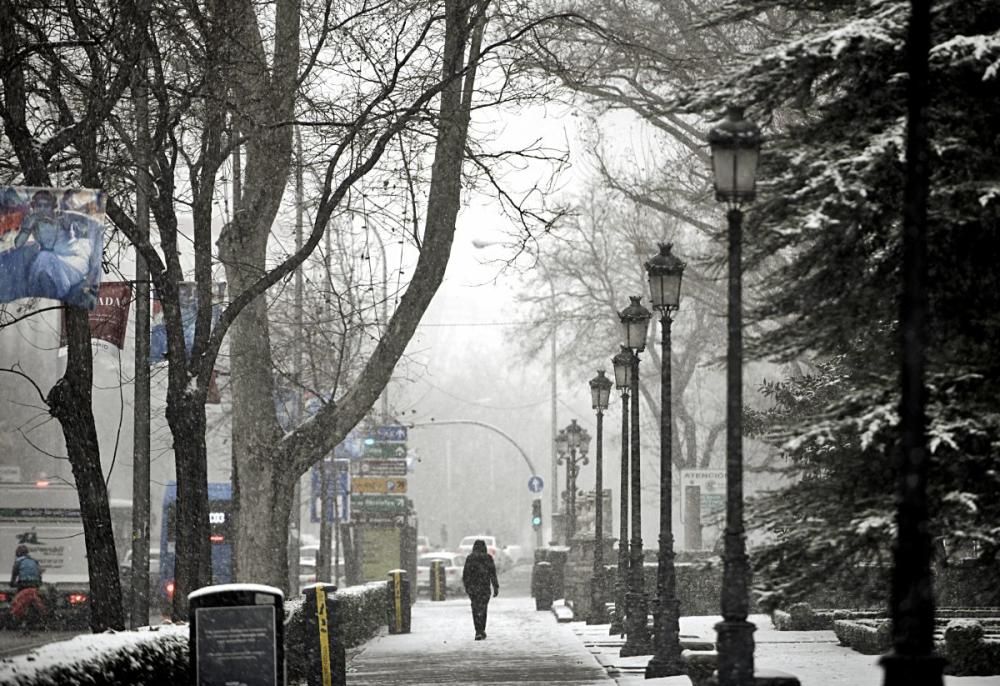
479	576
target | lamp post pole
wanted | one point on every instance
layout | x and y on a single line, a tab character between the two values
600	391
570	495
665	272
623	369
912	660
635	319
735	633
735	146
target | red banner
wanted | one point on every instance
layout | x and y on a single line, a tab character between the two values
109	320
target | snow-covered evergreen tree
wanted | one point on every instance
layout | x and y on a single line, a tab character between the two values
826	230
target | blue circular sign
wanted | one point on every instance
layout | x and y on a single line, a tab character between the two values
535	484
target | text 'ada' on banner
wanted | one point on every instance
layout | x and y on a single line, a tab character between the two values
109	320
51	244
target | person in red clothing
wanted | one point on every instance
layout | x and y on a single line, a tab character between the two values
26	576
478	576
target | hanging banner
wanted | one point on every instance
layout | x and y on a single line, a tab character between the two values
109	320
51	244
189	314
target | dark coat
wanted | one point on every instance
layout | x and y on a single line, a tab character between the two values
479	575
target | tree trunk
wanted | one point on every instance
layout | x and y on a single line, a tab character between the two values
70	401
256	440
193	559
261	98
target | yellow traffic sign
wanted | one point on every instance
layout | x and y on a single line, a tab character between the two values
377	484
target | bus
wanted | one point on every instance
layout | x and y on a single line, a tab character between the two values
220	533
45	516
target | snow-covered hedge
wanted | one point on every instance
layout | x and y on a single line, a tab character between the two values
971	646
970	649
802	617
867	636
361	612
158	656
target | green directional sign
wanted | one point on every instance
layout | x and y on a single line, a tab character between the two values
379	504
385	451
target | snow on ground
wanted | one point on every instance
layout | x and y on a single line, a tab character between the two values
814	657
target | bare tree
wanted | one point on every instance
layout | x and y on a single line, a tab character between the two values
78	59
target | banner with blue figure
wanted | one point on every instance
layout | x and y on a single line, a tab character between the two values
51	244
188	296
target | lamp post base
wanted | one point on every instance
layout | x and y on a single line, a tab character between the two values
660	668
597	614
637	640
735	642
912	670
666	642
617	621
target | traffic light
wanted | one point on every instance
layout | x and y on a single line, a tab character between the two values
536	513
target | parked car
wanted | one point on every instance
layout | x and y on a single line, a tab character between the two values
453	564
125	574
423	545
308	568
465	546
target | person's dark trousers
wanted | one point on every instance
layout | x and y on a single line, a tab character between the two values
479	605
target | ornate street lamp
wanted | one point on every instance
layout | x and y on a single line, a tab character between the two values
600	394
571	446
635	323
562	448
735	146
622	363
665	272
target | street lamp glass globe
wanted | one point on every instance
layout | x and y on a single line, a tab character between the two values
622	363
574	434
562	442
735	144
635	322
600	391
665	271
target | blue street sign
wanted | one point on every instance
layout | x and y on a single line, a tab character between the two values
390	432
535	484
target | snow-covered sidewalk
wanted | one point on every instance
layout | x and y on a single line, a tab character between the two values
814	657
523	646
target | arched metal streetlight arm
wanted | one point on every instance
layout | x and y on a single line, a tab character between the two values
475	422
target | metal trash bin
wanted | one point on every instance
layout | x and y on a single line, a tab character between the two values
541	585
237	635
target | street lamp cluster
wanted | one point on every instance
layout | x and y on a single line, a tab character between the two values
571	449
735	145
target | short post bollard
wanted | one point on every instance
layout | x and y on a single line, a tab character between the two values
326	658
237	635
541	585
439	589
399	602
